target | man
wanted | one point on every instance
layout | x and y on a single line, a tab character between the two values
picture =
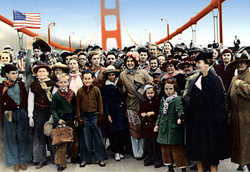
239	112
111	58
153	50
143	52
223	70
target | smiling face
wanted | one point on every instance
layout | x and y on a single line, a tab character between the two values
87	79
153	64
130	64
111	77
143	56
150	93
226	57
5	58
170	68
42	73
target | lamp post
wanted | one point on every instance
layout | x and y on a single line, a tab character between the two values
51	24
165	20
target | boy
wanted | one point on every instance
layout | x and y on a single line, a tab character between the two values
90	114
62	109
13	106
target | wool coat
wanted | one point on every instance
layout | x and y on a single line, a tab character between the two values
205	118
240	118
170	132
148	122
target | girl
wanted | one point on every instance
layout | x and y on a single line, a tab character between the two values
170	133
149	109
114	110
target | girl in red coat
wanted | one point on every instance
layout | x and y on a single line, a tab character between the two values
149	111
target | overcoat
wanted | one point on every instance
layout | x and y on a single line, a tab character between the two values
205	119
240	118
170	132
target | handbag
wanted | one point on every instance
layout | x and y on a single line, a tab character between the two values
62	134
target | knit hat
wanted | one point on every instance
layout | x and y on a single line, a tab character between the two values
147	87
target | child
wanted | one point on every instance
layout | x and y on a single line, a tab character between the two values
39	101
170	134
115	110
149	109
62	109
13	106
90	114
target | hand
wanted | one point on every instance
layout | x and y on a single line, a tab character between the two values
179	121
110	119
150	113
143	114
61	121
31	122
237	82
156	128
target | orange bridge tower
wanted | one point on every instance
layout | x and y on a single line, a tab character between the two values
111	33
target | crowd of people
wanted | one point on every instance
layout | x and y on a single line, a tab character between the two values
170	106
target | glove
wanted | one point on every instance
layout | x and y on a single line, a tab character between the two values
31	122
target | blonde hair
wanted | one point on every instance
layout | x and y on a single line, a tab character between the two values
62	76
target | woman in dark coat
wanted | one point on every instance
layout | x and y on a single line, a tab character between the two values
114	110
205	118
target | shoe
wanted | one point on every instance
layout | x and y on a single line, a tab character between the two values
148	163
102	164
117	157
240	168
122	156
83	164
23	167
75	160
170	168
158	165
139	158
41	165
60	168
16	168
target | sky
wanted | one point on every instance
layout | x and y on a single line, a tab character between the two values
81	19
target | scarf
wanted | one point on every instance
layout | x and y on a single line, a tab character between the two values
46	88
108	82
131	71
166	103
7	84
67	94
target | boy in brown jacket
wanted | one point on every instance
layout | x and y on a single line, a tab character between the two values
90	114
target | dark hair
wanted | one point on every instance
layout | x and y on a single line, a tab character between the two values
158	62
88	72
134	59
7	69
169	81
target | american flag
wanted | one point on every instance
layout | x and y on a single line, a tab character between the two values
26	20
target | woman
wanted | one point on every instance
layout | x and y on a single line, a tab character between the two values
133	81
205	116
